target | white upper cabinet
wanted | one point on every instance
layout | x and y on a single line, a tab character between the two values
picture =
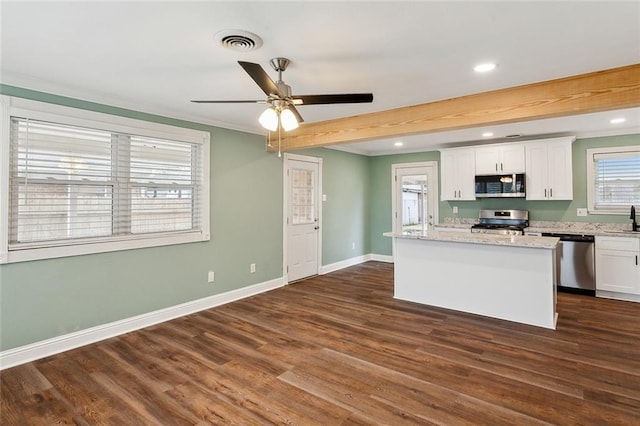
502	159
549	170
546	163
457	174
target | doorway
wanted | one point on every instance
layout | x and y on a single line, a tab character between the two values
302	216
415	196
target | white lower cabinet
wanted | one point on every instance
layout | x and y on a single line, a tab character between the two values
618	264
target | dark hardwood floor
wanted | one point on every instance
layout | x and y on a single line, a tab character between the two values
339	350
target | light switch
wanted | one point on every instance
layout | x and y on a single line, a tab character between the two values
324	197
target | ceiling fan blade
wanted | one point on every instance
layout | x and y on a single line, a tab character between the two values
296	113
262	79
345	98
230	102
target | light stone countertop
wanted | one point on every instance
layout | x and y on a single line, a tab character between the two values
575	228
609	231
473	238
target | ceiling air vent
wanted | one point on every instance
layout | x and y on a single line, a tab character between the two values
238	40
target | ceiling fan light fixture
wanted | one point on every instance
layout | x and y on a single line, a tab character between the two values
288	120
269	119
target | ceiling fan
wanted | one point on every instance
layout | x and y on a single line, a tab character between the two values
282	103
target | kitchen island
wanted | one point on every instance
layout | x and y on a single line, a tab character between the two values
499	276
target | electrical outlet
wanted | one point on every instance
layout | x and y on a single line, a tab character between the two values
211	276
252	268
581	212
455	209
324	197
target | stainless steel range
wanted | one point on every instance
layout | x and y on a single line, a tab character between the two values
505	222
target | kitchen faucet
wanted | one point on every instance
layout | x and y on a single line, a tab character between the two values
634	224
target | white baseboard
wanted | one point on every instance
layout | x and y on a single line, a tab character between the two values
382	258
45	348
332	267
618	296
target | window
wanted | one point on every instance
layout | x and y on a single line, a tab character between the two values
613	176
303	210
82	182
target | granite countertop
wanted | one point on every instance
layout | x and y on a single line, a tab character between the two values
575	228
472	238
597	229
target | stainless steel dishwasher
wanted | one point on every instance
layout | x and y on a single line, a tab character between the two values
576	263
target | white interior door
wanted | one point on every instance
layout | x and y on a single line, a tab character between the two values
302	211
415	195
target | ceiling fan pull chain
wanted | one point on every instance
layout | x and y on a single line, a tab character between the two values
268	141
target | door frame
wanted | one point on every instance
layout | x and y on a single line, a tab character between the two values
435	190
285	209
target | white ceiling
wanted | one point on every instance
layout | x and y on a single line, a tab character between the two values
155	56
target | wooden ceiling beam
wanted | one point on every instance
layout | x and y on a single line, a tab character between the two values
606	90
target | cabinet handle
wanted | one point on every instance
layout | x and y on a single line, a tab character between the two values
496	167
545	193
501	168
550	192
636	260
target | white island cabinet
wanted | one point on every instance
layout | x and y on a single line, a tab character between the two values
507	277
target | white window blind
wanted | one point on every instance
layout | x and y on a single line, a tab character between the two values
76	185
616	184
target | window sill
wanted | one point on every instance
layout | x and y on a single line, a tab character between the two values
624	212
29	254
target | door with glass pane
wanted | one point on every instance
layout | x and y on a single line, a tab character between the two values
303	221
415	194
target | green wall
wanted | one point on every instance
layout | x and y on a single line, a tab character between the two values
345	214
381	204
47	298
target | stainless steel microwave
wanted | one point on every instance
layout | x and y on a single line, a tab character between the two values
496	186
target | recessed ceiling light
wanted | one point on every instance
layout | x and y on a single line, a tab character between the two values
398	144
487	134
617	120
487	66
